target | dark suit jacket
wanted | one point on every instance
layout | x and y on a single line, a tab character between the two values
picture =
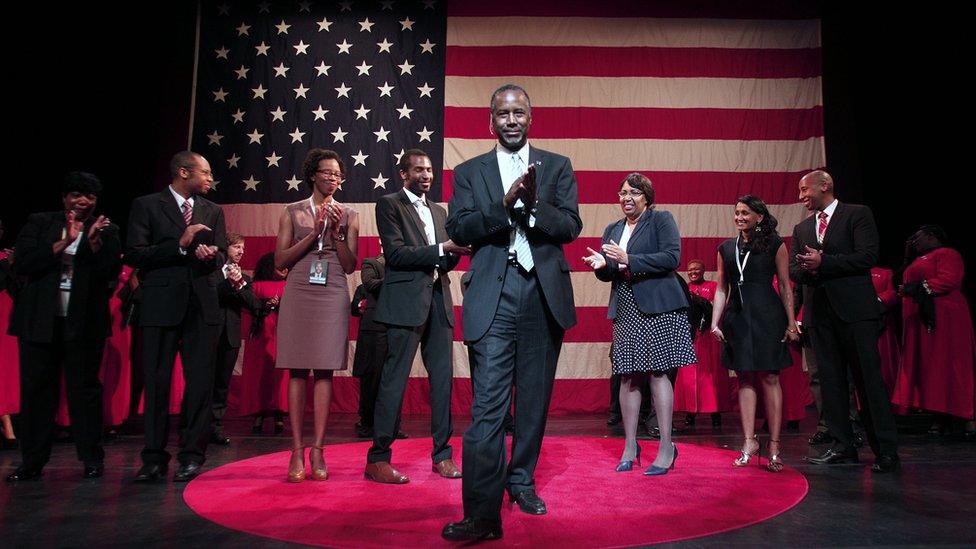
231	302
372	274
169	278
479	218
850	249
410	262
654	251
93	281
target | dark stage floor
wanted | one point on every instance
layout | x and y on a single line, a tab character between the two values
932	501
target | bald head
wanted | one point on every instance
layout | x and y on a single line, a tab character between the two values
816	190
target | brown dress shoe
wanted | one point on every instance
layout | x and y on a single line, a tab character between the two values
383	472
447	469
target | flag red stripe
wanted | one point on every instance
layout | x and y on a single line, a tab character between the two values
599	187
616	62
649	123
742	9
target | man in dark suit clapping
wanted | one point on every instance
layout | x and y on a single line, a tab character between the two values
176	239
417	308
832	253
69	261
516	205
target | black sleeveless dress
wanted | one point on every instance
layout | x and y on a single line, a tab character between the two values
754	322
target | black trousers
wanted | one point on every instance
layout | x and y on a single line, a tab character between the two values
851	349
521	346
196	342
41	365
225	359
371	349
435	339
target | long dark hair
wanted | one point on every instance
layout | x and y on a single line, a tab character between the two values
264	270
761	237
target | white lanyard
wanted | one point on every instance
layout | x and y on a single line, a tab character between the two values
741	264
315	216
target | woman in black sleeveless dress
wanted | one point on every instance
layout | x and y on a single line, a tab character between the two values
753	322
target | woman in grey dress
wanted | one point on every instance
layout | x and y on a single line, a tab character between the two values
753	322
316	236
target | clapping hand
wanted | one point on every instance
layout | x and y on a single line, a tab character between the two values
190	233
810	260
95	232
523	189
595	260
615	252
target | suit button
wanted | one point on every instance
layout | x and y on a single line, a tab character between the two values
499	279
430	284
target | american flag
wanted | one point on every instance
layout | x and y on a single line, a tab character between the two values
709	107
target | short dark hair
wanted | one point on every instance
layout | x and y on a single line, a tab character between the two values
265	268
182	159
693	261
505	88
404	163
640	181
81	182
312	159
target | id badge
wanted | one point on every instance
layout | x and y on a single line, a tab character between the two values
318	272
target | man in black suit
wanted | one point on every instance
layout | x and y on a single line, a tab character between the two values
417	308
69	261
516	206
234	292
176	239
832	253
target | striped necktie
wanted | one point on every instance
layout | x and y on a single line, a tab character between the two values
187	211
523	252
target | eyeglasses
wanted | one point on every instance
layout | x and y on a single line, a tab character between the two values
329	174
633	192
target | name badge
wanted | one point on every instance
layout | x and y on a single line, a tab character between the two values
318	272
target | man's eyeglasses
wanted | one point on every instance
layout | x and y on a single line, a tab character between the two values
330	174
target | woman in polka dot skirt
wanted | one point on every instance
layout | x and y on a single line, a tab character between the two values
648	307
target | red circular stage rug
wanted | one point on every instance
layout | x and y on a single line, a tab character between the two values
590	505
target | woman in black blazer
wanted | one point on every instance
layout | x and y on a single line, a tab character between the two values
648	307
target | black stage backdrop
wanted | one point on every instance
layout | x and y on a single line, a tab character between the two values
105	88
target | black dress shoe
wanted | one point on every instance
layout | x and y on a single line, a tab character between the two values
832	456
219	439
187	472
151	472
25	473
472	529
820	437
858	441
716	420
96	470
529	502
400	435
614	419
690	420
886	464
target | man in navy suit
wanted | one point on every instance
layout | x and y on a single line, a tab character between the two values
832	253
177	239
516	206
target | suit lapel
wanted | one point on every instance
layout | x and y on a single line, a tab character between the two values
536	158
644	220
413	215
618	231
492	177
171	210
832	223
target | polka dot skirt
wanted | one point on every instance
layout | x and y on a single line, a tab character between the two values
649	343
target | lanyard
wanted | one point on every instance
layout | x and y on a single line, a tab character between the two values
311	204
741	263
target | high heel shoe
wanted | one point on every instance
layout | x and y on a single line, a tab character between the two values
297	476
745	457
319	473
773	463
628	464
654	470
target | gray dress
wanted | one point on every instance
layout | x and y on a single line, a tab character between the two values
313	320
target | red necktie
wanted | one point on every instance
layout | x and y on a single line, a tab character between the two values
822	226
187	211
